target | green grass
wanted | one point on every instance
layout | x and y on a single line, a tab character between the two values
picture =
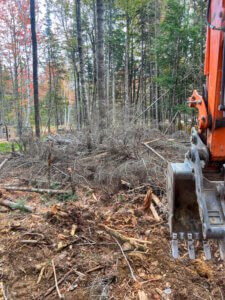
51	200
67	197
7	147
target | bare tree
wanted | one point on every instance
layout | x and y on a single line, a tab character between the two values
35	68
101	67
81	62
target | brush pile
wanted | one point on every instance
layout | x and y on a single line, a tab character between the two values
96	228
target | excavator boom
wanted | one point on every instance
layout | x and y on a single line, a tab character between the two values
195	188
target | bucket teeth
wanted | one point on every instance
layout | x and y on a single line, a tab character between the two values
207	250
181	235
174	246
191	247
191	238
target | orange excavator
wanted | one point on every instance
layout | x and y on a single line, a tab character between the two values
196	187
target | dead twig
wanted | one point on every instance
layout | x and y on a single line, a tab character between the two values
50	290
92	157
3	163
63	247
152	141
127	261
155	152
95	269
136	243
40	275
174	118
34	242
56	281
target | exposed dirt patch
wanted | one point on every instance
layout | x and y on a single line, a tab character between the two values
70	234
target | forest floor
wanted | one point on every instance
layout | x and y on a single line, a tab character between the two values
98	242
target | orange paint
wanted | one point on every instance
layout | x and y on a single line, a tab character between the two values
213	72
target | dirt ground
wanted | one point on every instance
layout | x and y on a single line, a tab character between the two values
67	245
71	235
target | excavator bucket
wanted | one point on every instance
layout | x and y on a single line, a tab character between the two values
184	219
196	202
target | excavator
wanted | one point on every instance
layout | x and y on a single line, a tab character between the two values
196	187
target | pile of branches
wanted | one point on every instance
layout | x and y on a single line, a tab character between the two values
129	158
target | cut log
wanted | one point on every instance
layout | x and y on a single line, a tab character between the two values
33	190
15	206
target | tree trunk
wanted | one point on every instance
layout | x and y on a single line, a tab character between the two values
156	72
35	68
126	96
16	95
101	68
81	62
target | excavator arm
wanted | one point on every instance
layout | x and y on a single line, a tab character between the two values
196	188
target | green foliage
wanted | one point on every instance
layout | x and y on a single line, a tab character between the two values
178	49
121	198
20	204
67	197
6	147
131	6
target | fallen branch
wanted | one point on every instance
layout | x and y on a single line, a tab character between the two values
136	243
50	290
152	141
56	281
33	190
40	275
63	247
174	118
34	242
15	206
3	163
155	152
95	269
127	261
92	157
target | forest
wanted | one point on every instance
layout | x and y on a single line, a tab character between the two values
93	110
100	63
